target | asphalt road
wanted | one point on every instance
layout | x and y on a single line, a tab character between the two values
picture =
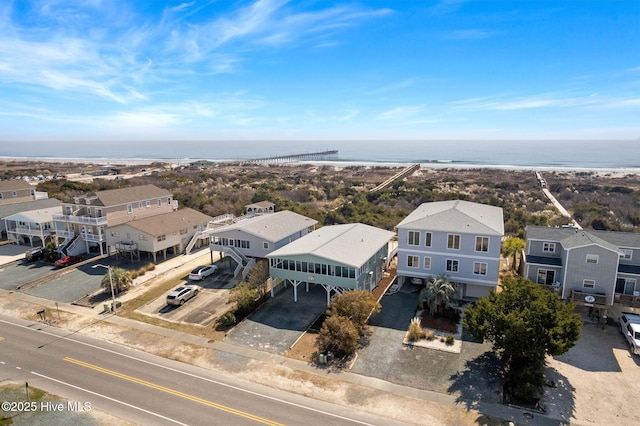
146	389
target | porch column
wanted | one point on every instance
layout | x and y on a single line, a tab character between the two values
328	289
295	284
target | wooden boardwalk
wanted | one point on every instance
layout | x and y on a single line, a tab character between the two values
404	173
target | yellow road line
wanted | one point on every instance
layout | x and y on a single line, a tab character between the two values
173	392
1	338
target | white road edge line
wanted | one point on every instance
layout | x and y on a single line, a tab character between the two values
272	398
109	398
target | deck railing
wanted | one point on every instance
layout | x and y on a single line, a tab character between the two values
588	299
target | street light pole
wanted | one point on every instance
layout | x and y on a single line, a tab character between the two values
113	295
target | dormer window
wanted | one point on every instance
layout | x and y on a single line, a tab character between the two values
549	247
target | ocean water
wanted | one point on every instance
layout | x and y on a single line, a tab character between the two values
547	154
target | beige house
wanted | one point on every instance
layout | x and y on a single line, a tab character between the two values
16	191
164	233
82	226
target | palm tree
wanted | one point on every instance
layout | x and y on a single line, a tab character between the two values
436	295
511	247
121	280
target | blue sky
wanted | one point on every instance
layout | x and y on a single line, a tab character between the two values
290	70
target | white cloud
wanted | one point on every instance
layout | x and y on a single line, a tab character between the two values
404	112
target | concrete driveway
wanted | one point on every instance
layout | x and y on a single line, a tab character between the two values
211	301
276	326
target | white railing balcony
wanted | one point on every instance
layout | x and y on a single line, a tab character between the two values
65	234
126	246
95	238
30	231
86	220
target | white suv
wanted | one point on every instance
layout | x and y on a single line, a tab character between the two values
630	328
182	294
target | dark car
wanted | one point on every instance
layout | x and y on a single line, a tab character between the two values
34	254
68	260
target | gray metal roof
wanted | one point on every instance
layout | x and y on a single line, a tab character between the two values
573	237
11	209
620	239
271	227
351	244
456	216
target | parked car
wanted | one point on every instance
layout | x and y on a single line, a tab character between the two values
182	294
630	328
34	254
201	272
68	260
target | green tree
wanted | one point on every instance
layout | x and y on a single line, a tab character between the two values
338	335
245	297
511	248
525	323
357	306
258	275
121	280
436	295
50	252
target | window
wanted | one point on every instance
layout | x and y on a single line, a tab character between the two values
628	254
452	265
159	202
265	245
592	258
162	238
625	285
115	234
168	201
453	242
427	239
129	208
588	283
414	238
139	204
14	193
479	268
1	196
482	244
427	263
549	247
148	203
142	237
546	277
412	261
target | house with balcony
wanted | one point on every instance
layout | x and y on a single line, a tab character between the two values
33	227
459	239
22	229
82	225
256	235
590	268
166	233
338	257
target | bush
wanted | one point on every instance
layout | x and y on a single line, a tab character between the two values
429	335
245	297
338	335
149	267
227	319
415	331
450	340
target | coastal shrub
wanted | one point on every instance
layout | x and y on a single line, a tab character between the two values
429	335
355	305
149	266
415	332
338	335
450	340
245	298
227	319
